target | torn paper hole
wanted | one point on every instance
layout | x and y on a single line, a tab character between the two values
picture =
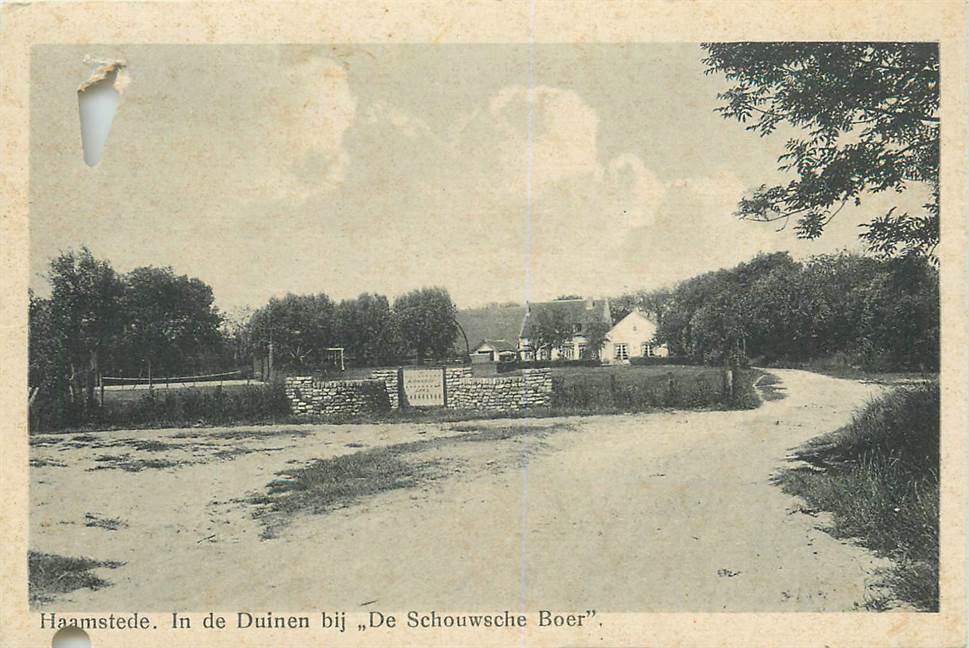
98	98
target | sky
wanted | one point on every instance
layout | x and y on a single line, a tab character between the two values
501	172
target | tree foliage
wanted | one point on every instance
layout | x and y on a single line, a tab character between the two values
85	316
367	329
169	319
870	116
427	323
880	314
299	327
595	333
96	321
550	329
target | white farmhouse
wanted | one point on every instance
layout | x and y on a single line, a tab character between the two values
632	337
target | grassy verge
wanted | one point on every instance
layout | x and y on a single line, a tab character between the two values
50	574
879	476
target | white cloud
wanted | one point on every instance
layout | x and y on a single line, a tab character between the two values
592	223
553	129
305	138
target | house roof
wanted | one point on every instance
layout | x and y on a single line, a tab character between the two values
489	323
498	345
578	311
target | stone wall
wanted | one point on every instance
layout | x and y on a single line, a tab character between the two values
311	397
501	394
391	380
381	392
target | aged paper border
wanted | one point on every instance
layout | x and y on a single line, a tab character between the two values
548	21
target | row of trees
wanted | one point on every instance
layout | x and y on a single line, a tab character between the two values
152	322
371	330
881	314
97	319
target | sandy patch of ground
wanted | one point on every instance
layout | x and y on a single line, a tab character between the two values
670	511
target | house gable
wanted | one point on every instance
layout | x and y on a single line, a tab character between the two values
632	337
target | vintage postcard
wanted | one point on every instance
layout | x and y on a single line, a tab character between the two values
503	323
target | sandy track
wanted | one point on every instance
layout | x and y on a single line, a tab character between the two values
655	512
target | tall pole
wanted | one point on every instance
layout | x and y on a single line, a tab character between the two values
270	355
465	335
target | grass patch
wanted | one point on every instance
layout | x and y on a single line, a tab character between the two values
235	435
327	484
128	464
50	574
110	524
879	476
41	463
146	445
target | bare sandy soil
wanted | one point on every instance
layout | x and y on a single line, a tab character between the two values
670	511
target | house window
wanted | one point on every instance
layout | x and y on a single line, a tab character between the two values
582	348
620	351
566	352
647	350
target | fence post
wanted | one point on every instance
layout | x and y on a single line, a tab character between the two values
728	382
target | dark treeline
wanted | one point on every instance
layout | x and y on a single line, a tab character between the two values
419	324
154	323
97	321
879	315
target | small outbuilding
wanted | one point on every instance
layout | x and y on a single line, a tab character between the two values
495	351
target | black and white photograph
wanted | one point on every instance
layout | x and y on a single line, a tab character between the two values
338	337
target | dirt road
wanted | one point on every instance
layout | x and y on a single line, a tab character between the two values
669	511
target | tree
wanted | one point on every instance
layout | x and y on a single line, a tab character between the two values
44	349
900	317
870	113
367	329
86	316
299	327
551	328
595	333
170	319
426	320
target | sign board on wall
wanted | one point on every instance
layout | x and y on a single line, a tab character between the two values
424	387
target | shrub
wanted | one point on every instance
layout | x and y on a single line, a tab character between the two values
545	364
657	361
633	391
176	407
